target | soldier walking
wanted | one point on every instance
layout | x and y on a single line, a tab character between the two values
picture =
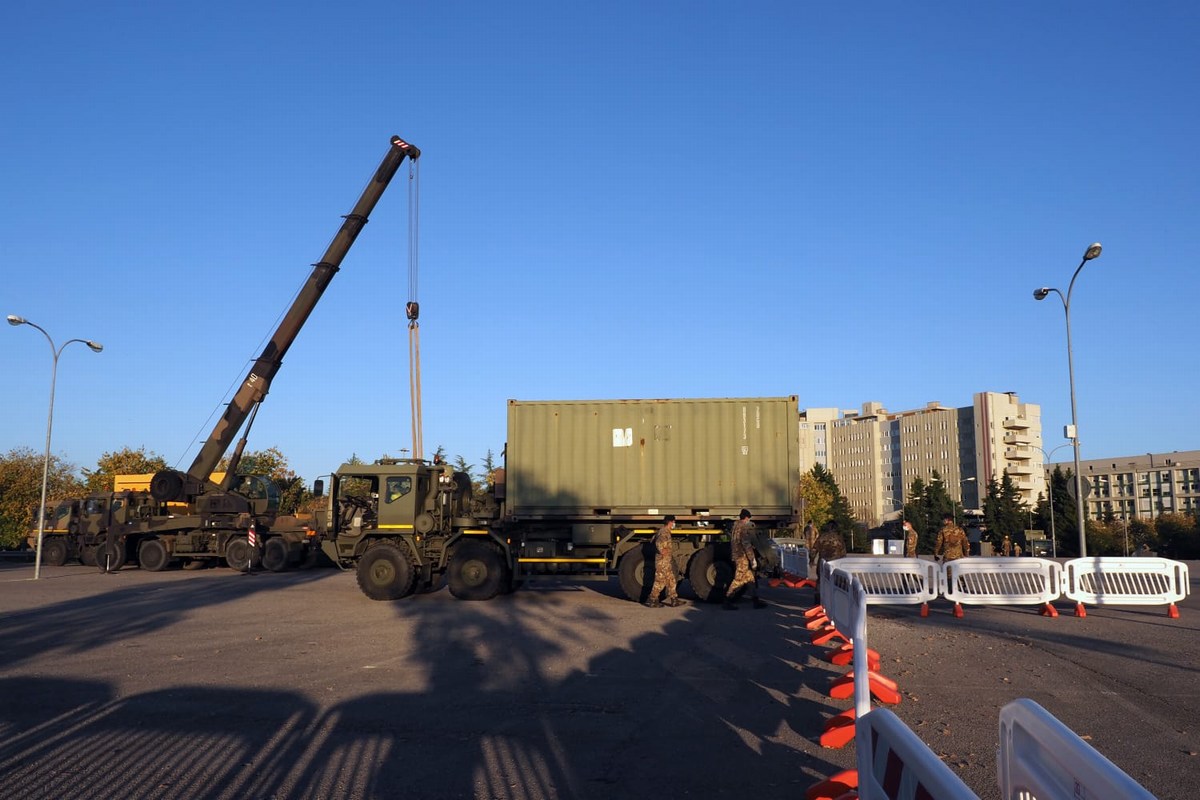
952	543
910	540
830	545
741	549
664	566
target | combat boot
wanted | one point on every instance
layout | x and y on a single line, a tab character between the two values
674	602
652	604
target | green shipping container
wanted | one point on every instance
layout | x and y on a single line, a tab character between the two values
630	458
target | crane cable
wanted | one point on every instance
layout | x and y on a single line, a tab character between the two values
413	308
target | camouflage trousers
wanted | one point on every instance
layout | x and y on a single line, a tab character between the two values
664	578
742	576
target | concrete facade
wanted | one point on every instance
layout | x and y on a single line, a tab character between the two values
875	455
1138	487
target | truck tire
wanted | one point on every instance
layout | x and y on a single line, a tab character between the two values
153	555
110	559
239	555
476	571
709	575
635	571
54	551
87	555
384	572
275	555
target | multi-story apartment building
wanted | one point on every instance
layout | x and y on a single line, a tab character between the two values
875	455
1138	487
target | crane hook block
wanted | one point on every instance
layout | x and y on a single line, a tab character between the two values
413	309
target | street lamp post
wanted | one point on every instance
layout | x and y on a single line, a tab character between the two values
1093	251
96	347
1050	497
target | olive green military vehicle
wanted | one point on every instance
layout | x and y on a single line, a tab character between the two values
584	487
191	517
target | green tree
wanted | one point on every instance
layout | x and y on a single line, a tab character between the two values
840	513
816	501
1179	536
928	503
21	490
125	461
272	463
1004	513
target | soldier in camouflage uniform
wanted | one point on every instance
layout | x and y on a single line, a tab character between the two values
741	550
830	544
664	566
910	540
952	543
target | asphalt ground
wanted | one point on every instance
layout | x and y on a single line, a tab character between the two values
213	684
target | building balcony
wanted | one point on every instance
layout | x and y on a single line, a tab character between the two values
1018	453
1020	469
1016	423
1017	438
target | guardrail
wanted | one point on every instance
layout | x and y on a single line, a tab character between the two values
1021	581
1039	758
1125	582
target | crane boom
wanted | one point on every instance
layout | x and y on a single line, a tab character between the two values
173	485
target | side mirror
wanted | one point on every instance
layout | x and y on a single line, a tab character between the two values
318	488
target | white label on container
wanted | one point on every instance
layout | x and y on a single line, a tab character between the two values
622	437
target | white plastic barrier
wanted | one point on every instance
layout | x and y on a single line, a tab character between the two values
1042	759
1125	581
793	556
893	763
893	581
1001	581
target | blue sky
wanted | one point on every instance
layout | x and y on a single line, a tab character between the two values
629	199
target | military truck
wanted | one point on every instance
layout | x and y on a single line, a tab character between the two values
192	516
584	486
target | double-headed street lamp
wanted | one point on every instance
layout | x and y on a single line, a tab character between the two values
13	319
1050	496
1093	251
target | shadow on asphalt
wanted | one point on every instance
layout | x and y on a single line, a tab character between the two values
712	715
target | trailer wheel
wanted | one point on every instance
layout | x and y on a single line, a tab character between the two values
709	576
153	555
384	572
239	555
635	571
110	559
54	552
275	555
87	555
476	571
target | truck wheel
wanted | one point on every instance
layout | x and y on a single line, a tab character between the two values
384	572
239	555
476	571
153	555
54	552
275	555
709	576
87	555
636	574
110	559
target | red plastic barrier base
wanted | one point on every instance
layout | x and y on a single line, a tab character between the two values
958	610
885	690
828	634
1080	611
1172	611
924	609
835	787
844	656
817	622
839	730
1049	611
815	611
791	581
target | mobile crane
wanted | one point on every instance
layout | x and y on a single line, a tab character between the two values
223	520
